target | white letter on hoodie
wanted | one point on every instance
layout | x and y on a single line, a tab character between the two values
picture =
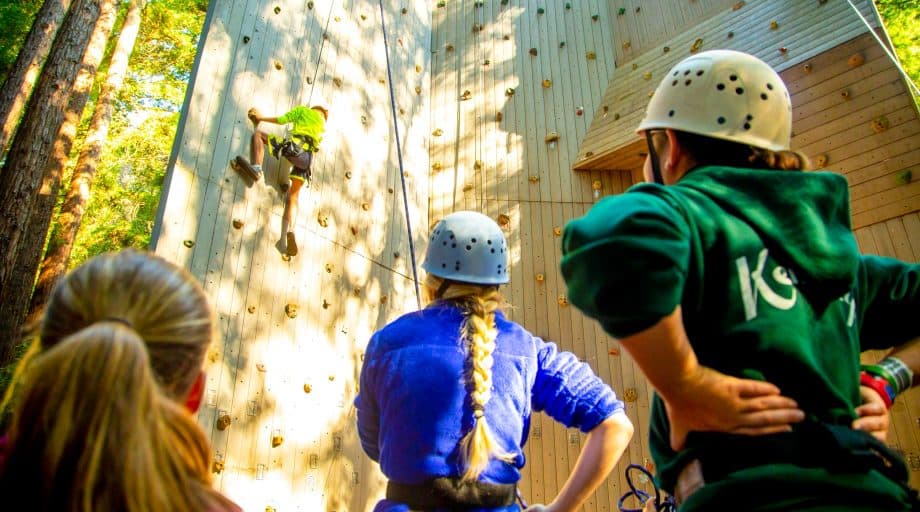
749	295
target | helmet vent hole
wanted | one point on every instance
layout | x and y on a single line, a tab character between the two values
686	72
763	96
749	117
699	73
469	247
445	242
676	72
688	82
473	240
443	265
493	251
739	90
747	126
671	114
721	120
503	250
733	77
720	87
453	246
489	242
770	86
451	236
673	83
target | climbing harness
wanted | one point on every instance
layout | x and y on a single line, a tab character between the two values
662	504
402	174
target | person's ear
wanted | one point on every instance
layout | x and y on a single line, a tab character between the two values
193	400
674	151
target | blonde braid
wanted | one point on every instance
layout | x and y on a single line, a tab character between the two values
479	304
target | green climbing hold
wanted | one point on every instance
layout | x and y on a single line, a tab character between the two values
568	6
540	10
621	11
310	5
595	17
561	44
504	2
478	3
442	3
277	10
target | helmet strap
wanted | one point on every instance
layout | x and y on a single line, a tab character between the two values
445	284
653	156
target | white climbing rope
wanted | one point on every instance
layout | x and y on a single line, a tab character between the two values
402	174
894	59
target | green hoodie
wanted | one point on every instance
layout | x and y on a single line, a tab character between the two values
765	267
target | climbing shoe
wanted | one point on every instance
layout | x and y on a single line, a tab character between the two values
291	244
243	166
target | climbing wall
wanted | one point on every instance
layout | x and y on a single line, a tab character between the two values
282	374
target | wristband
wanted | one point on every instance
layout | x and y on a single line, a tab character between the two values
880	386
903	375
881	372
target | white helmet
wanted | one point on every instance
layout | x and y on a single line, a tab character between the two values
469	247
727	95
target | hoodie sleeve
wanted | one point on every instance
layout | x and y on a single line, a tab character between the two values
569	391
625	261
888	295
366	405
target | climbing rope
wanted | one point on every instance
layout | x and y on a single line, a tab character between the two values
662	504
402	174
894	60
319	56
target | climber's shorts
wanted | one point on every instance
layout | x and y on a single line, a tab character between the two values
295	152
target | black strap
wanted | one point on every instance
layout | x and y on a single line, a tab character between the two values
452	493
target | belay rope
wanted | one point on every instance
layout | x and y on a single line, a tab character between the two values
662	504
402	174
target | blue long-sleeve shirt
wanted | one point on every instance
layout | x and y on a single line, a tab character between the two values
413	406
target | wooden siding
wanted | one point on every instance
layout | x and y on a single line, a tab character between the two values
276	375
804	29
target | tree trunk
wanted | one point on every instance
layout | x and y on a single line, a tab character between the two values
31	176
18	85
58	255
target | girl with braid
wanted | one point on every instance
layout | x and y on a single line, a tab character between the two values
102	402
446	393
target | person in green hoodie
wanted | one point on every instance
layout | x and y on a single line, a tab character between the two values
735	283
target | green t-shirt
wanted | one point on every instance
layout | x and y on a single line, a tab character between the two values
765	268
307	122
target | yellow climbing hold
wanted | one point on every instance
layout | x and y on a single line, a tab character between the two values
696	45
547	83
437	132
590	55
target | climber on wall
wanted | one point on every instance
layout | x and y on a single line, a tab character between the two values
446	393
734	264
298	148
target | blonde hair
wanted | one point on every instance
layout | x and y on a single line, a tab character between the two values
479	304
97	421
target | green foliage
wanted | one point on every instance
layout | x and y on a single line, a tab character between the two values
902	21
16	19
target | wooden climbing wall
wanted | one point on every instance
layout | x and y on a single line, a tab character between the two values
292	332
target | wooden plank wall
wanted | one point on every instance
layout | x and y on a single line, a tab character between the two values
294	376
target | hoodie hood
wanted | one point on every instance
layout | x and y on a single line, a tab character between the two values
802	217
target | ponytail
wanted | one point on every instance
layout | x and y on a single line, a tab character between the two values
479	304
91	430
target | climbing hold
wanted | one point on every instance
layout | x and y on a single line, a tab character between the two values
540	10
774	25
478	3
563	301
651	93
540	278
807	68
905	177
337	81
783	50
347	175
621	11
856	60
533	52
547	83
326	304
579	111
337	18
595	17
477	165
647	75
731	34
551	137
329	268
251	309
365	206
224	421
696	45
246	39
738	5
506	37
436	166
449	47
504	2
597	185
589	154
382	81
534	178
402	111
442	3
418	68
310	5
354	230
557	231
880	124
509	91
466	95
390	189
467	187
638	9
616	116
218	466
486	62
309	80
396	254
821	161
260	367
845	94
323	220
627	45
325	36
503	219
666	49
630	395
277	10
404	10
477	27
364	120
278	65
363	17
591	55
290	310
188	243
635	66
499	116
649	465
437	132
237	223
418	89
383	300
568	6
561	44
307	387
614	351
